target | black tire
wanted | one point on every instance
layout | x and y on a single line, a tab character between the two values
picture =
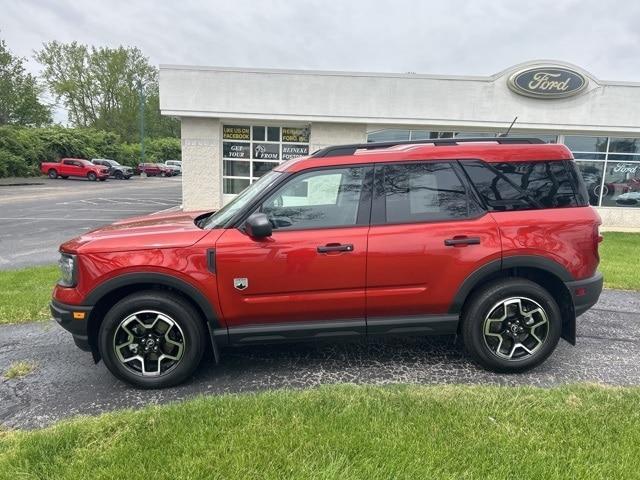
52	173
118	175
191	328
92	177
488	350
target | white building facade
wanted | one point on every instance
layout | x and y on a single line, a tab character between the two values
237	124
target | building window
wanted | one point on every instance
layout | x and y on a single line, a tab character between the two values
400	134
250	151
610	167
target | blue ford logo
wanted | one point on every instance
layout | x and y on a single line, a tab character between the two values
547	82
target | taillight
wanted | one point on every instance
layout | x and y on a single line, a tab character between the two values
597	240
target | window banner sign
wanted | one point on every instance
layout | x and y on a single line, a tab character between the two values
295	135
236	150
293	151
236	132
266	151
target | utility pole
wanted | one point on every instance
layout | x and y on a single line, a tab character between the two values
141	97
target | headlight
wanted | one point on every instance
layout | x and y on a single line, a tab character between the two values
68	270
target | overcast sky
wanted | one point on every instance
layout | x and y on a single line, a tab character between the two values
438	37
441	37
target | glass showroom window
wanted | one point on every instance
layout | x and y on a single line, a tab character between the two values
622	173
397	134
610	167
250	151
590	154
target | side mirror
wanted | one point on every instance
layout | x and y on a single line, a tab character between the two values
258	226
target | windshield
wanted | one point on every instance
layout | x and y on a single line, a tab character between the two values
222	216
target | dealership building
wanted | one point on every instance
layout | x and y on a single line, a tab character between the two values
238	123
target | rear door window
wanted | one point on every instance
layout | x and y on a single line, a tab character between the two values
421	192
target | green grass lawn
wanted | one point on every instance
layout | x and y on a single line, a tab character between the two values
348	432
618	260
25	293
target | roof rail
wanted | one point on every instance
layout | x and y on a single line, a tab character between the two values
337	150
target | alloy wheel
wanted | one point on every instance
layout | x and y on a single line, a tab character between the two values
515	328
149	343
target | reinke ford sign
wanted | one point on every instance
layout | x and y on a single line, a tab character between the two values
547	82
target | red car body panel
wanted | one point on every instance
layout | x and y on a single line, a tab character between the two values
64	168
289	280
567	236
410	270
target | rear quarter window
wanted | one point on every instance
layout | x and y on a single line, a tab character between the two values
523	185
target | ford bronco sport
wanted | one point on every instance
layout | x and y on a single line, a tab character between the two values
490	239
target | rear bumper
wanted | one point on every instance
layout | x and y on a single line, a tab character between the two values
585	293
64	315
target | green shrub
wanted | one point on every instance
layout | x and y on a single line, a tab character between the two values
23	149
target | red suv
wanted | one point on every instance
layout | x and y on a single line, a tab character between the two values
490	239
154	169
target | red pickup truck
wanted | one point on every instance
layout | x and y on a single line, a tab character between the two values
75	167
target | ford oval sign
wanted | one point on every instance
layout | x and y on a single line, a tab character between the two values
547	82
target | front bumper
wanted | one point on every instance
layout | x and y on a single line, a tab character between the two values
585	293
69	318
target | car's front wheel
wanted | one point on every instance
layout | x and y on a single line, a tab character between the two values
511	325
119	175
92	176
152	339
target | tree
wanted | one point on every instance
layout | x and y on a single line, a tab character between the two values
100	87
19	93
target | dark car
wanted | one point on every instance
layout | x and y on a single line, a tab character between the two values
154	169
121	172
489	239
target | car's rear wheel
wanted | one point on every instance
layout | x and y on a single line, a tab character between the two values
152	339
511	325
92	176
52	173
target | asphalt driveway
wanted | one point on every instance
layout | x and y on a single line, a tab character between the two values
66	382
38	214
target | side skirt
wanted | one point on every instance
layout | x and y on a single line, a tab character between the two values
337	329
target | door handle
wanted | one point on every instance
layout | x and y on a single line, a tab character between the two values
335	247
462	241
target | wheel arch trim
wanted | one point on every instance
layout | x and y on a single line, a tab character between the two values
137	278
495	266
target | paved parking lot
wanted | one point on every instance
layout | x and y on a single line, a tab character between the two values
36	218
67	383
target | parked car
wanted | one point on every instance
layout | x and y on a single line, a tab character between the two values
490	239
154	169
175	166
120	172
74	167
